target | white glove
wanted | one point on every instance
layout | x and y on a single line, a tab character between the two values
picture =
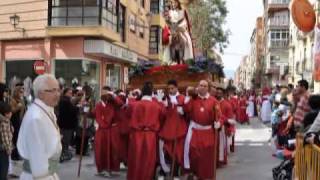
186	100
111	93
217	125
180	110
160	95
232	121
122	94
165	103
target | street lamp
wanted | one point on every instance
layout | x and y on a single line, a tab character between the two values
15	20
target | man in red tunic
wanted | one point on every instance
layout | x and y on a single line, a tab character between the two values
243	117
122	117
144	123
173	131
107	136
228	116
234	103
199	150
222	143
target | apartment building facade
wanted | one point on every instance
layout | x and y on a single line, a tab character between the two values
257	53
93	41
276	21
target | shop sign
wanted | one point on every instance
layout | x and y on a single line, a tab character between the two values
39	67
109	49
126	75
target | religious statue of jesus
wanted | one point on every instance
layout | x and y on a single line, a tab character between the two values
176	35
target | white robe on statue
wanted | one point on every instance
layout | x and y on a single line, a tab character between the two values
39	140
176	16
266	109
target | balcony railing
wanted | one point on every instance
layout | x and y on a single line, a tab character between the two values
279	43
278	4
94	13
278	23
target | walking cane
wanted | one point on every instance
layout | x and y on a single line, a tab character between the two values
174	158
216	134
84	125
174	152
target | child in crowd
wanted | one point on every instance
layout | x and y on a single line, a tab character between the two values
275	118
6	132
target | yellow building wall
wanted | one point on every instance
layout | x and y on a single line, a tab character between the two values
33	18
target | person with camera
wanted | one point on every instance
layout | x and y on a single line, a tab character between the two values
68	119
18	107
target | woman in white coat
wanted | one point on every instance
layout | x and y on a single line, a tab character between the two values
266	106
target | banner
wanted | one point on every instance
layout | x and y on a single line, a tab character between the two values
316	56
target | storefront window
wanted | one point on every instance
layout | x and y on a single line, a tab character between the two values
20	72
73	73
113	76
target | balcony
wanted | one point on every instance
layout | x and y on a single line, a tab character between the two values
278	24
76	18
278	44
272	70
277	5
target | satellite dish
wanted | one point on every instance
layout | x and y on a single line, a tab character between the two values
303	15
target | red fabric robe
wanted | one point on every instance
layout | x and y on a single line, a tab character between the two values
202	145
145	123
107	137
174	128
122	116
243	117
227	112
234	103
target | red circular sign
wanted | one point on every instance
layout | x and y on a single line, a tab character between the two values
39	67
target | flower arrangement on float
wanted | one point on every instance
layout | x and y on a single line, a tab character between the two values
199	65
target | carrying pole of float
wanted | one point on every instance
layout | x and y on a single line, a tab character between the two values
216	135
174	151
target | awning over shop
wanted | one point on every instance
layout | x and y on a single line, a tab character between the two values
107	49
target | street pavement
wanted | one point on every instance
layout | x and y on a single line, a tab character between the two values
253	157
251	161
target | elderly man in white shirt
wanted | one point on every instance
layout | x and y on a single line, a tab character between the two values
39	138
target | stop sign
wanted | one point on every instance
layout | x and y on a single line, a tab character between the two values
39	67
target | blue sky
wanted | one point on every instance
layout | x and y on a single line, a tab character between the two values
241	22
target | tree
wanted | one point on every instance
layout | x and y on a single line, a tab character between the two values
207	20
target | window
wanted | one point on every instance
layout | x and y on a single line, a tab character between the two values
157	6
132	23
142	3
113	76
81	71
141	28
154	6
109	14
279	34
154	41
122	22
73	12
